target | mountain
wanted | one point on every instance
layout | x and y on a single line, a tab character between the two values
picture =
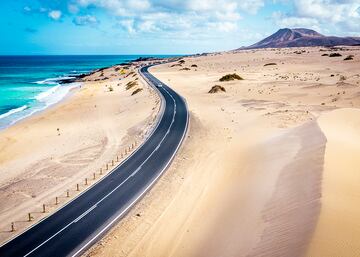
301	37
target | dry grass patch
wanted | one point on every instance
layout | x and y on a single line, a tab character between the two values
270	64
217	89
230	77
136	91
131	84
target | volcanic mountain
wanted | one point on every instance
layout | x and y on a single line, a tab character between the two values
301	37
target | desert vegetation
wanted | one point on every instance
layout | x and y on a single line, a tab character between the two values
349	57
136	91
217	89
230	77
335	55
131	84
269	64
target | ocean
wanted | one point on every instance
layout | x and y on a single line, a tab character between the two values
29	84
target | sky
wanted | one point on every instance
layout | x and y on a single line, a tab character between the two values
162	26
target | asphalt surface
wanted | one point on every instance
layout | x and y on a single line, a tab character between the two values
74	228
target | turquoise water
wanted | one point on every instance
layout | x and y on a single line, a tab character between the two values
28	84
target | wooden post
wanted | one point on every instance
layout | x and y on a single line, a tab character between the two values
12	227
77	187
86	181
29	217
117	158
44	208
67	193
107	166
94	176
56	200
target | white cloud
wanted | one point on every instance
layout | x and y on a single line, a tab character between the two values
27	9
251	6
55	14
85	20
128	25
284	21
342	15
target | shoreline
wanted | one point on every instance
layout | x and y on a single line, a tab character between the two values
63	80
61	145
44	109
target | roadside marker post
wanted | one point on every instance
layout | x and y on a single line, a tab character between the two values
112	162
86	181
44	208
77	187
107	166
12	227
29	217
101	172
67	193
56	200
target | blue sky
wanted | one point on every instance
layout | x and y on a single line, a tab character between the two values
162	27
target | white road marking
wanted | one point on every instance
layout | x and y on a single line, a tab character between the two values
102	199
85	213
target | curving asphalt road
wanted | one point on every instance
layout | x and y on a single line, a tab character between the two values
79	224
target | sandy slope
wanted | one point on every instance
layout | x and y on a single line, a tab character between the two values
338	230
250	179
38	162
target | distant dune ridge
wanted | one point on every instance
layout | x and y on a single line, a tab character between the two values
301	37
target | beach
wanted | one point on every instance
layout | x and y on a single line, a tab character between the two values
269	167
44	156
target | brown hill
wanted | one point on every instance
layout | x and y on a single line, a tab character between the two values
301	37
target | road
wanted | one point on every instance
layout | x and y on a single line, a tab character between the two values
75	227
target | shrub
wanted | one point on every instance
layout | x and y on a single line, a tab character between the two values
325	55
349	57
194	66
137	91
182	61
111	89
130	73
335	55
271	63
131	84
185	68
217	89
230	77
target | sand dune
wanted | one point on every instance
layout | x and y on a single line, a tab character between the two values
338	230
259	174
